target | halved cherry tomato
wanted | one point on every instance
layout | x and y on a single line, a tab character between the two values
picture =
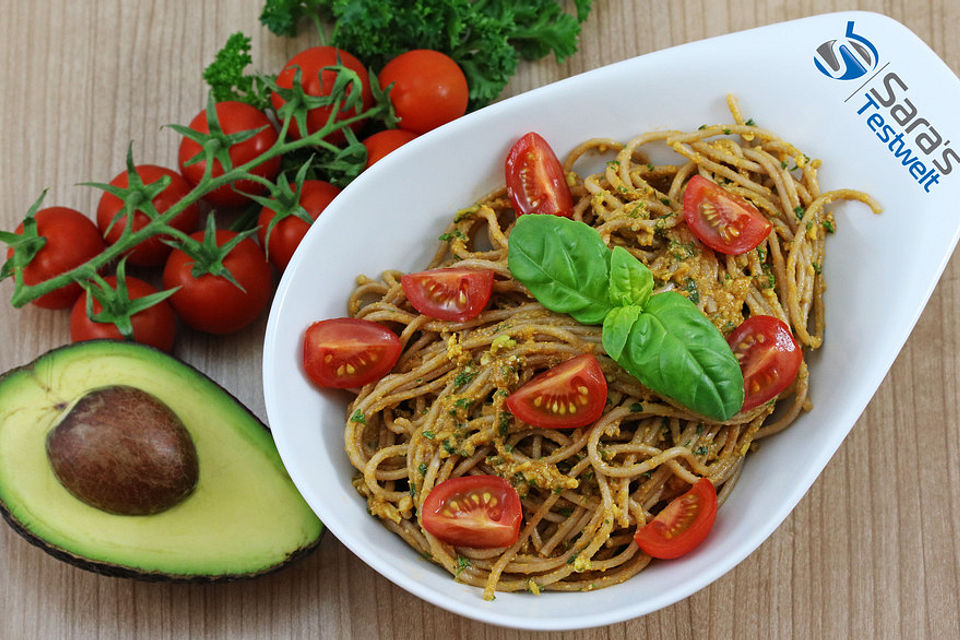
571	394
348	352
682	525
473	511
723	221
449	294
768	355
535	179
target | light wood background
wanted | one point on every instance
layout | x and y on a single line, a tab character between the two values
871	552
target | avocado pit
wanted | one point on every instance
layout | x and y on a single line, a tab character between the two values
123	451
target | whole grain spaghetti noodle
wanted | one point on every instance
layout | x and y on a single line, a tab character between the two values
441	412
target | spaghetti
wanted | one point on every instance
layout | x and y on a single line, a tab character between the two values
441	412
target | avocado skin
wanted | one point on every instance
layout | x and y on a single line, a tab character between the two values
118	571
121	571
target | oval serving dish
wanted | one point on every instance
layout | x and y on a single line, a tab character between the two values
857	90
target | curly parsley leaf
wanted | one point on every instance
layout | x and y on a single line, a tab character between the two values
486	38
226	77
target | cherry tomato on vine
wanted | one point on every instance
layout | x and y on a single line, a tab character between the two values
319	82
71	240
723	221
380	144
234	117
535	179
768	355
344	353
449	294
155	325
152	251
429	89
571	394
212	303
289	231
682	525
473	511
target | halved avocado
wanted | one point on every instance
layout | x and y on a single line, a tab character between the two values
243	517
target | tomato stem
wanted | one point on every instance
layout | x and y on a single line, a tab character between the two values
160	223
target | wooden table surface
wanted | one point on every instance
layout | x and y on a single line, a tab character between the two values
873	550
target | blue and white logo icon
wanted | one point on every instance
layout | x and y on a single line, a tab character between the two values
846	58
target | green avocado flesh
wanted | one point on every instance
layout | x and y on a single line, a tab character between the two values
243	518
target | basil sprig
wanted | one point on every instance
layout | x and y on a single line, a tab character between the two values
661	339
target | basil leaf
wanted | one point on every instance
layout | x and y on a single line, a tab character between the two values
630	280
564	263
673	349
616	329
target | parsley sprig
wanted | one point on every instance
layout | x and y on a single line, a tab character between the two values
486	38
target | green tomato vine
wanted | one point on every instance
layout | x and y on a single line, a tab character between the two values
345	95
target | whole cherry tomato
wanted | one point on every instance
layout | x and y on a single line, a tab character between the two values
285	236
319	82
234	117
429	89
211	303
71	240
152	251
380	144
155	325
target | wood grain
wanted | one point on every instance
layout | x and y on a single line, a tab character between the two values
873	551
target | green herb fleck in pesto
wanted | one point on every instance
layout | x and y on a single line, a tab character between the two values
464	377
447	237
691	288
503	428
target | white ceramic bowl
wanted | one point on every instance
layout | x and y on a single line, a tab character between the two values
880	269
